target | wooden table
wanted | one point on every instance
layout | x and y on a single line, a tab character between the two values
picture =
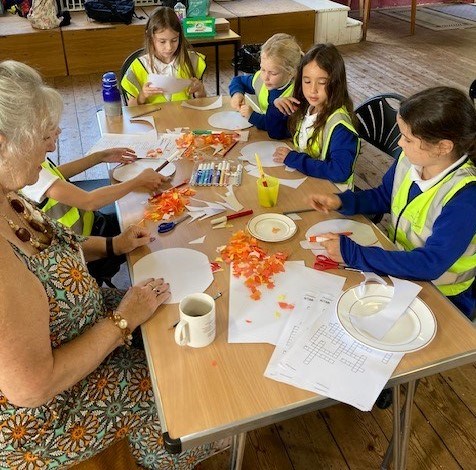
223	38
218	391
366	18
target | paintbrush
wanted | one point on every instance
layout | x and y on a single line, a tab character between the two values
299	211
261	171
145	113
167	161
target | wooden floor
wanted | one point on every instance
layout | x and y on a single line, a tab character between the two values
444	419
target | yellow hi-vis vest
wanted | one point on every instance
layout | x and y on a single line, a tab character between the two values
412	222
339	116
263	93
137	75
80	221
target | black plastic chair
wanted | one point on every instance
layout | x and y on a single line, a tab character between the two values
472	91
378	122
126	64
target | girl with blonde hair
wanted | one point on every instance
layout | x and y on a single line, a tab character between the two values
280	57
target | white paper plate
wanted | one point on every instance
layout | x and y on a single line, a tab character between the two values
230	120
265	151
187	271
414	330
362	234
271	227
131	170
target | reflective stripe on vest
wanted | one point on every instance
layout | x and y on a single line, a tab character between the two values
263	93
414	221
340	116
137	75
81	222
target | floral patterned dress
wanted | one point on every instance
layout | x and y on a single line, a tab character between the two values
114	401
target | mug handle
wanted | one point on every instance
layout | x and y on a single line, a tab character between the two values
181	333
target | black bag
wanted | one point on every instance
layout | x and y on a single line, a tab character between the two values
248	58
110	11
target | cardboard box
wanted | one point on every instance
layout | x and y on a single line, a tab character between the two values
222	25
202	27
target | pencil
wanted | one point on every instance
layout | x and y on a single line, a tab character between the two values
146	112
299	211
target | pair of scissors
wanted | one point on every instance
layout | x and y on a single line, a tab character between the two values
323	263
165	227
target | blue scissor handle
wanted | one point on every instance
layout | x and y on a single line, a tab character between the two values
166	227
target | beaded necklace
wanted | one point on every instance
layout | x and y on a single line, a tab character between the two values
43	232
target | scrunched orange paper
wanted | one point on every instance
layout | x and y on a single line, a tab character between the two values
169	203
252	262
192	142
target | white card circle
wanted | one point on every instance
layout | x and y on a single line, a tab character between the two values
362	234
187	271
265	151
230	120
131	170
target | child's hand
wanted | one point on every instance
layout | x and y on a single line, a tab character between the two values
287	105
118	155
325	202
237	100
245	111
150	179
197	88
332	246
280	154
148	91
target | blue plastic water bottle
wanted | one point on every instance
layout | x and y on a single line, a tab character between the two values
111	95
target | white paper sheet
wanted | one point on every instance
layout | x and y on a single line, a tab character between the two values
218	103
197	241
265	150
326	360
169	84
187	271
378	324
230	120
140	143
362	234
261	321
251	102
253	171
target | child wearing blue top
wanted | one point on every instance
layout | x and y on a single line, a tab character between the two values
320	118
279	60
430	193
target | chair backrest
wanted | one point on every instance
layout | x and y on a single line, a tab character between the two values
472	91
126	64
378	122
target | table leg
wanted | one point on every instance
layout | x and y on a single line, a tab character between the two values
407	421
405	424
396	427
217	65
235	58
237	451
365	19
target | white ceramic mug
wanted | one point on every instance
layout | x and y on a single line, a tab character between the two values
197	326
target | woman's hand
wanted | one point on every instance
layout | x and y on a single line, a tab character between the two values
287	105
150	179
280	154
237	100
197	88
147	92
325	202
332	246
142	300
117	155
132	237
245	111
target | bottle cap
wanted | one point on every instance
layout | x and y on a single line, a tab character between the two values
109	80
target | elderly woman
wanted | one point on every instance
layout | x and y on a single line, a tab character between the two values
70	384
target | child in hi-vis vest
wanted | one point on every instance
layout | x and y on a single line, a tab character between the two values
319	117
430	193
279	60
167	52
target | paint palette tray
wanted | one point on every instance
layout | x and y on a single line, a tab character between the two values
216	173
